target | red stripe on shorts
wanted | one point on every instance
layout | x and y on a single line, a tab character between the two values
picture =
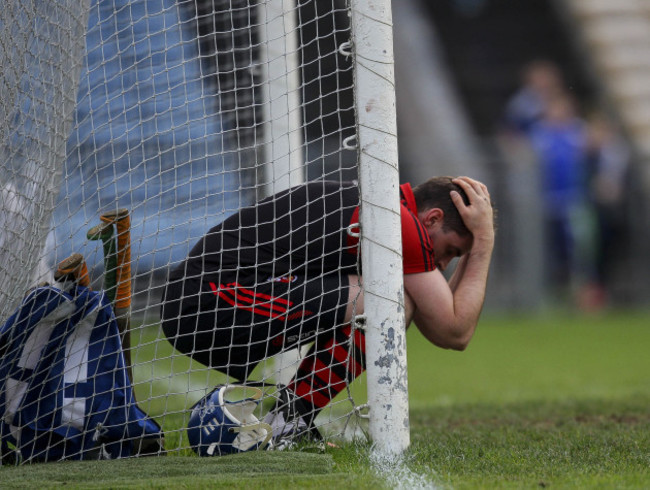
237	300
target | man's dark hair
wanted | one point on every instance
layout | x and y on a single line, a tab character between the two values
434	193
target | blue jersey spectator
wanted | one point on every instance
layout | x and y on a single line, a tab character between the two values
559	141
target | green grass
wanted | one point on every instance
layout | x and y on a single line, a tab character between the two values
559	401
550	357
566	444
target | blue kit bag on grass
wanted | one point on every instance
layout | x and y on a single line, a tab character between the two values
64	388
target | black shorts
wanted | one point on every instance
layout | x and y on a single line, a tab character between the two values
233	325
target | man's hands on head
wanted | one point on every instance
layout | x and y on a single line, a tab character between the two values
447	313
478	215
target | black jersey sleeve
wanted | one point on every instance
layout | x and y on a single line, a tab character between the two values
302	229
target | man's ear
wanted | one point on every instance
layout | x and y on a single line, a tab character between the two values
432	216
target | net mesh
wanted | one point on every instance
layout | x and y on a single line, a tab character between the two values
182	114
41	46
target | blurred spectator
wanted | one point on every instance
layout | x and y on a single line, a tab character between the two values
542	81
559	142
608	159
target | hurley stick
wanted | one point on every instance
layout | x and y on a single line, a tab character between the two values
74	269
105	233
115	233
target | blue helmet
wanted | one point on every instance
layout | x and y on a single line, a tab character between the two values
220	426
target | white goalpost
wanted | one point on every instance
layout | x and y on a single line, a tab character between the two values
380	224
282	138
282	134
130	129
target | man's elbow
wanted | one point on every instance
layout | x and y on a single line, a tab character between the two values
459	341
453	338
450	343
458	344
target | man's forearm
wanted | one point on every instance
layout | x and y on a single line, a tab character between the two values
470	285
449	320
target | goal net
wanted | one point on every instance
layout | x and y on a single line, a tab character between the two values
133	129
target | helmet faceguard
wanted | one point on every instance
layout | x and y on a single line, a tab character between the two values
220	426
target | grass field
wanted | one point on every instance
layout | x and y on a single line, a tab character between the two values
559	401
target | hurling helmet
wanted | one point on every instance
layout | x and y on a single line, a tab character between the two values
218	425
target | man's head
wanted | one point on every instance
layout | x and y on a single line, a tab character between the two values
441	218
434	193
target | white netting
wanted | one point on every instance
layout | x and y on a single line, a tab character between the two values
186	112
41	48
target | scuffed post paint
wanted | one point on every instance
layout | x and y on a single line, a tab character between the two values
381	245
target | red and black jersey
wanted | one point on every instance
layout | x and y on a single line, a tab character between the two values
304	230
417	249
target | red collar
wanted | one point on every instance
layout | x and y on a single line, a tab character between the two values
408	198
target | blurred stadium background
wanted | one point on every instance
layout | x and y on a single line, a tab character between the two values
458	62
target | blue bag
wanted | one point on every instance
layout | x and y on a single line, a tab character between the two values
64	388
